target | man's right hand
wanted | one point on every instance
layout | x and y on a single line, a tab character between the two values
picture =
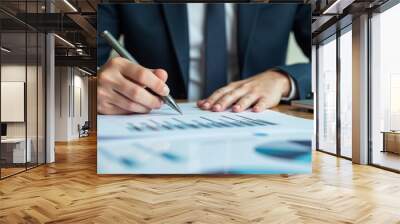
121	87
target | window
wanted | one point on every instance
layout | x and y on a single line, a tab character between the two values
327	95
385	89
15	147
22	78
346	92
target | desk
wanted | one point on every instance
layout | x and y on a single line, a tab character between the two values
391	141
13	150
284	108
303	104
293	111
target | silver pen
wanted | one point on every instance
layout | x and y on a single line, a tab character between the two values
124	53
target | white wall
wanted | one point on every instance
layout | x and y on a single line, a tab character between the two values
70	84
33	126
16	73
62	81
80	110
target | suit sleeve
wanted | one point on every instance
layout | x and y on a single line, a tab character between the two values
107	19
301	72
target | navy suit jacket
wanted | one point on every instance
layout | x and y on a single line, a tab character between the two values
157	36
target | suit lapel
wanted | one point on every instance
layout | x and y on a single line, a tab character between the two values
247	17
176	19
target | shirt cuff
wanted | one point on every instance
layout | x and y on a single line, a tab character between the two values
292	93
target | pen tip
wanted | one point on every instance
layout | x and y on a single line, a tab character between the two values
179	110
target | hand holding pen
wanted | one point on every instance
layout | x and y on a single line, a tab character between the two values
125	87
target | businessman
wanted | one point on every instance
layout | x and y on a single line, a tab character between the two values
225	56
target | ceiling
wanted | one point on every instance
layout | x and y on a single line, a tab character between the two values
72	20
19	54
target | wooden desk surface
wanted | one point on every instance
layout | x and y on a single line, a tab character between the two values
290	110
287	109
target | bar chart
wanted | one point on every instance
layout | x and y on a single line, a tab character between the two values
196	122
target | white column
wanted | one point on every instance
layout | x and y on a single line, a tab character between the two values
50	98
314	91
360	90
50	92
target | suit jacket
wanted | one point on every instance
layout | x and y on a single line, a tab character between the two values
157	36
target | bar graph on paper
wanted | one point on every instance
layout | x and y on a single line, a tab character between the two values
167	123
184	123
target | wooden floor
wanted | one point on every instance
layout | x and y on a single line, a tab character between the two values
70	191
387	159
5	172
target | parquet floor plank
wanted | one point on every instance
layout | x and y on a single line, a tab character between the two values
70	191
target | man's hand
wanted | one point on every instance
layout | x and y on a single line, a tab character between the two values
121	87
260	92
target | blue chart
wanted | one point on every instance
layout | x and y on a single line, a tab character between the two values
198	122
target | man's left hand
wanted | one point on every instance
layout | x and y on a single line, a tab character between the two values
259	92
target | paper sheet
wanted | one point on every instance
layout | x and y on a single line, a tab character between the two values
164	142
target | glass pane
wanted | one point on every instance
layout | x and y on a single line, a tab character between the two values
13	86
31	86
32	98
41	98
327	96
385	84
346	94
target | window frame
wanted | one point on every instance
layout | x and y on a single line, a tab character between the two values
336	35
27	29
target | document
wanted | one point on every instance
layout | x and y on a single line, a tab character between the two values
164	142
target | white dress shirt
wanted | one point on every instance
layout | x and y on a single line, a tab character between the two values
196	21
